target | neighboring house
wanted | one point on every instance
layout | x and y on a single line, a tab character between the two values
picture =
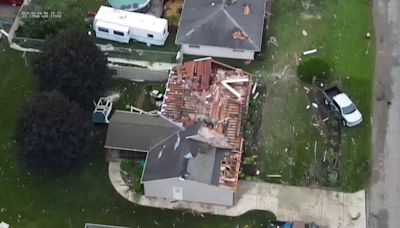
222	28
122	26
193	147
12	2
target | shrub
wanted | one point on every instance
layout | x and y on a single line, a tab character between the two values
313	67
137	186
126	165
332	177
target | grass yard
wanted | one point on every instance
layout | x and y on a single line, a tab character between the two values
31	201
286	137
133	94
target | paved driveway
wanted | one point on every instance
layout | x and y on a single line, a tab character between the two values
328	208
383	201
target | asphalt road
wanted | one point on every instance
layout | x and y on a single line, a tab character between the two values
383	195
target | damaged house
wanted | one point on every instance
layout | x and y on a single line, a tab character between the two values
193	146
222	28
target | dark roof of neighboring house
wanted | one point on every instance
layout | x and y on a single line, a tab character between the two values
213	22
137	132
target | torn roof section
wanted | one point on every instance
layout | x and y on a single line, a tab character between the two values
236	24
217	94
197	134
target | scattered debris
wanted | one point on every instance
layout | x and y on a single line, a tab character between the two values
308	107
304	32
274	175
246	9
272	40
255	96
254	88
309	52
306	4
238	35
306	89
284	70
314	105
315	150
296	58
368	35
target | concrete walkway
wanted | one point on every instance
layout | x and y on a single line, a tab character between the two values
328	208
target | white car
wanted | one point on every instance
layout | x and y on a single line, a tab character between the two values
343	107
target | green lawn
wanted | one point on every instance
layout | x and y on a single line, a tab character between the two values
286	138
31	201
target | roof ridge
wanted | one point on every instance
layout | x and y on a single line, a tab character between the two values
237	24
164	139
205	20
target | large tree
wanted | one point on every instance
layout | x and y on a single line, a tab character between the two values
72	64
53	134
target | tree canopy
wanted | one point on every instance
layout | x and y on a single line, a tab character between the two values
53	135
67	14
72	64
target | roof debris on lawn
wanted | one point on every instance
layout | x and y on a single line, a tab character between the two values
218	95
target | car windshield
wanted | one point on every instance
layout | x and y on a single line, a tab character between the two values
349	109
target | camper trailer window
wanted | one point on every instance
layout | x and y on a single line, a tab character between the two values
194	46
150	35
101	29
118	33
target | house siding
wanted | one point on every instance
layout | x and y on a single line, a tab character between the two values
192	191
217	52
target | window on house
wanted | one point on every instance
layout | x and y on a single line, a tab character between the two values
101	29
150	35
118	33
238	50
194	46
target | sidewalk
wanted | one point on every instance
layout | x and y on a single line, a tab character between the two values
328	208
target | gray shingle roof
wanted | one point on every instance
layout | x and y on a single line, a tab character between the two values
137	132
212	23
166	159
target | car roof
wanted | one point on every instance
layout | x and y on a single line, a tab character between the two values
342	100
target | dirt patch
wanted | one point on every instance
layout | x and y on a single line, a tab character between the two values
330	129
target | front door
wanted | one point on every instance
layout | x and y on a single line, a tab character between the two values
177	193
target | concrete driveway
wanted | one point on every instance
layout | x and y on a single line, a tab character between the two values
326	208
383	195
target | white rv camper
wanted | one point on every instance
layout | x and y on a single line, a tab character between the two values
121	26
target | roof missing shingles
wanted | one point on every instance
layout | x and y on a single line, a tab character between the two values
213	23
246	9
